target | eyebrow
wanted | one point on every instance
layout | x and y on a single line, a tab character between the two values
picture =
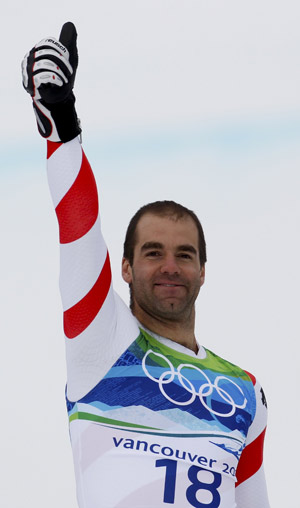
187	248
152	245
158	245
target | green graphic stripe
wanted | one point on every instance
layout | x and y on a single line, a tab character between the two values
132	427
215	436
211	362
100	419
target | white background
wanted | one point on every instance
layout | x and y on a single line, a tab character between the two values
192	100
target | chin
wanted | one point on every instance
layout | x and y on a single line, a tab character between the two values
170	312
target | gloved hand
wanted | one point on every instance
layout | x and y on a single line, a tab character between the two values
48	72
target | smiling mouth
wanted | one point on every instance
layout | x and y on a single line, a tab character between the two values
169	285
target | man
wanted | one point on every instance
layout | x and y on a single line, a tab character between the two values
155	418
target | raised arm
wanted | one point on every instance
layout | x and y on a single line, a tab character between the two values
97	324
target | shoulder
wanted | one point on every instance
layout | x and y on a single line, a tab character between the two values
256	405
223	365
247	382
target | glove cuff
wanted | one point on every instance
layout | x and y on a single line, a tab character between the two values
57	122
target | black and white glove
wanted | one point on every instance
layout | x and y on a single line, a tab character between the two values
48	72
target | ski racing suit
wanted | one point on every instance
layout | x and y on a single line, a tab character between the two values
152	424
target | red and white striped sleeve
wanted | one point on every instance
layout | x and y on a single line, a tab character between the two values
251	490
98	326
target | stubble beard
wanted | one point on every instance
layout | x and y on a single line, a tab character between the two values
181	310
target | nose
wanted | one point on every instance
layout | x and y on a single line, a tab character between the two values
170	265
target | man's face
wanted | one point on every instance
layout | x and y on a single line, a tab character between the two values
166	275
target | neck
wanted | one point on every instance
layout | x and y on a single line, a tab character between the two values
180	332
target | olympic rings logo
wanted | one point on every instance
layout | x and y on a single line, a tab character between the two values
205	390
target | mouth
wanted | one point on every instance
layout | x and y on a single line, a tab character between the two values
168	285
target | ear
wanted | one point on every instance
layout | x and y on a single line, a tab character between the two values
126	271
202	275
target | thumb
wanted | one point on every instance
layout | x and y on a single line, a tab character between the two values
68	37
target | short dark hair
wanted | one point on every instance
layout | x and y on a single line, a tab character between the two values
163	209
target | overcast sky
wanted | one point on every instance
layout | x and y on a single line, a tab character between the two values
192	100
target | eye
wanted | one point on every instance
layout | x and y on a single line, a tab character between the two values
184	255
153	253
